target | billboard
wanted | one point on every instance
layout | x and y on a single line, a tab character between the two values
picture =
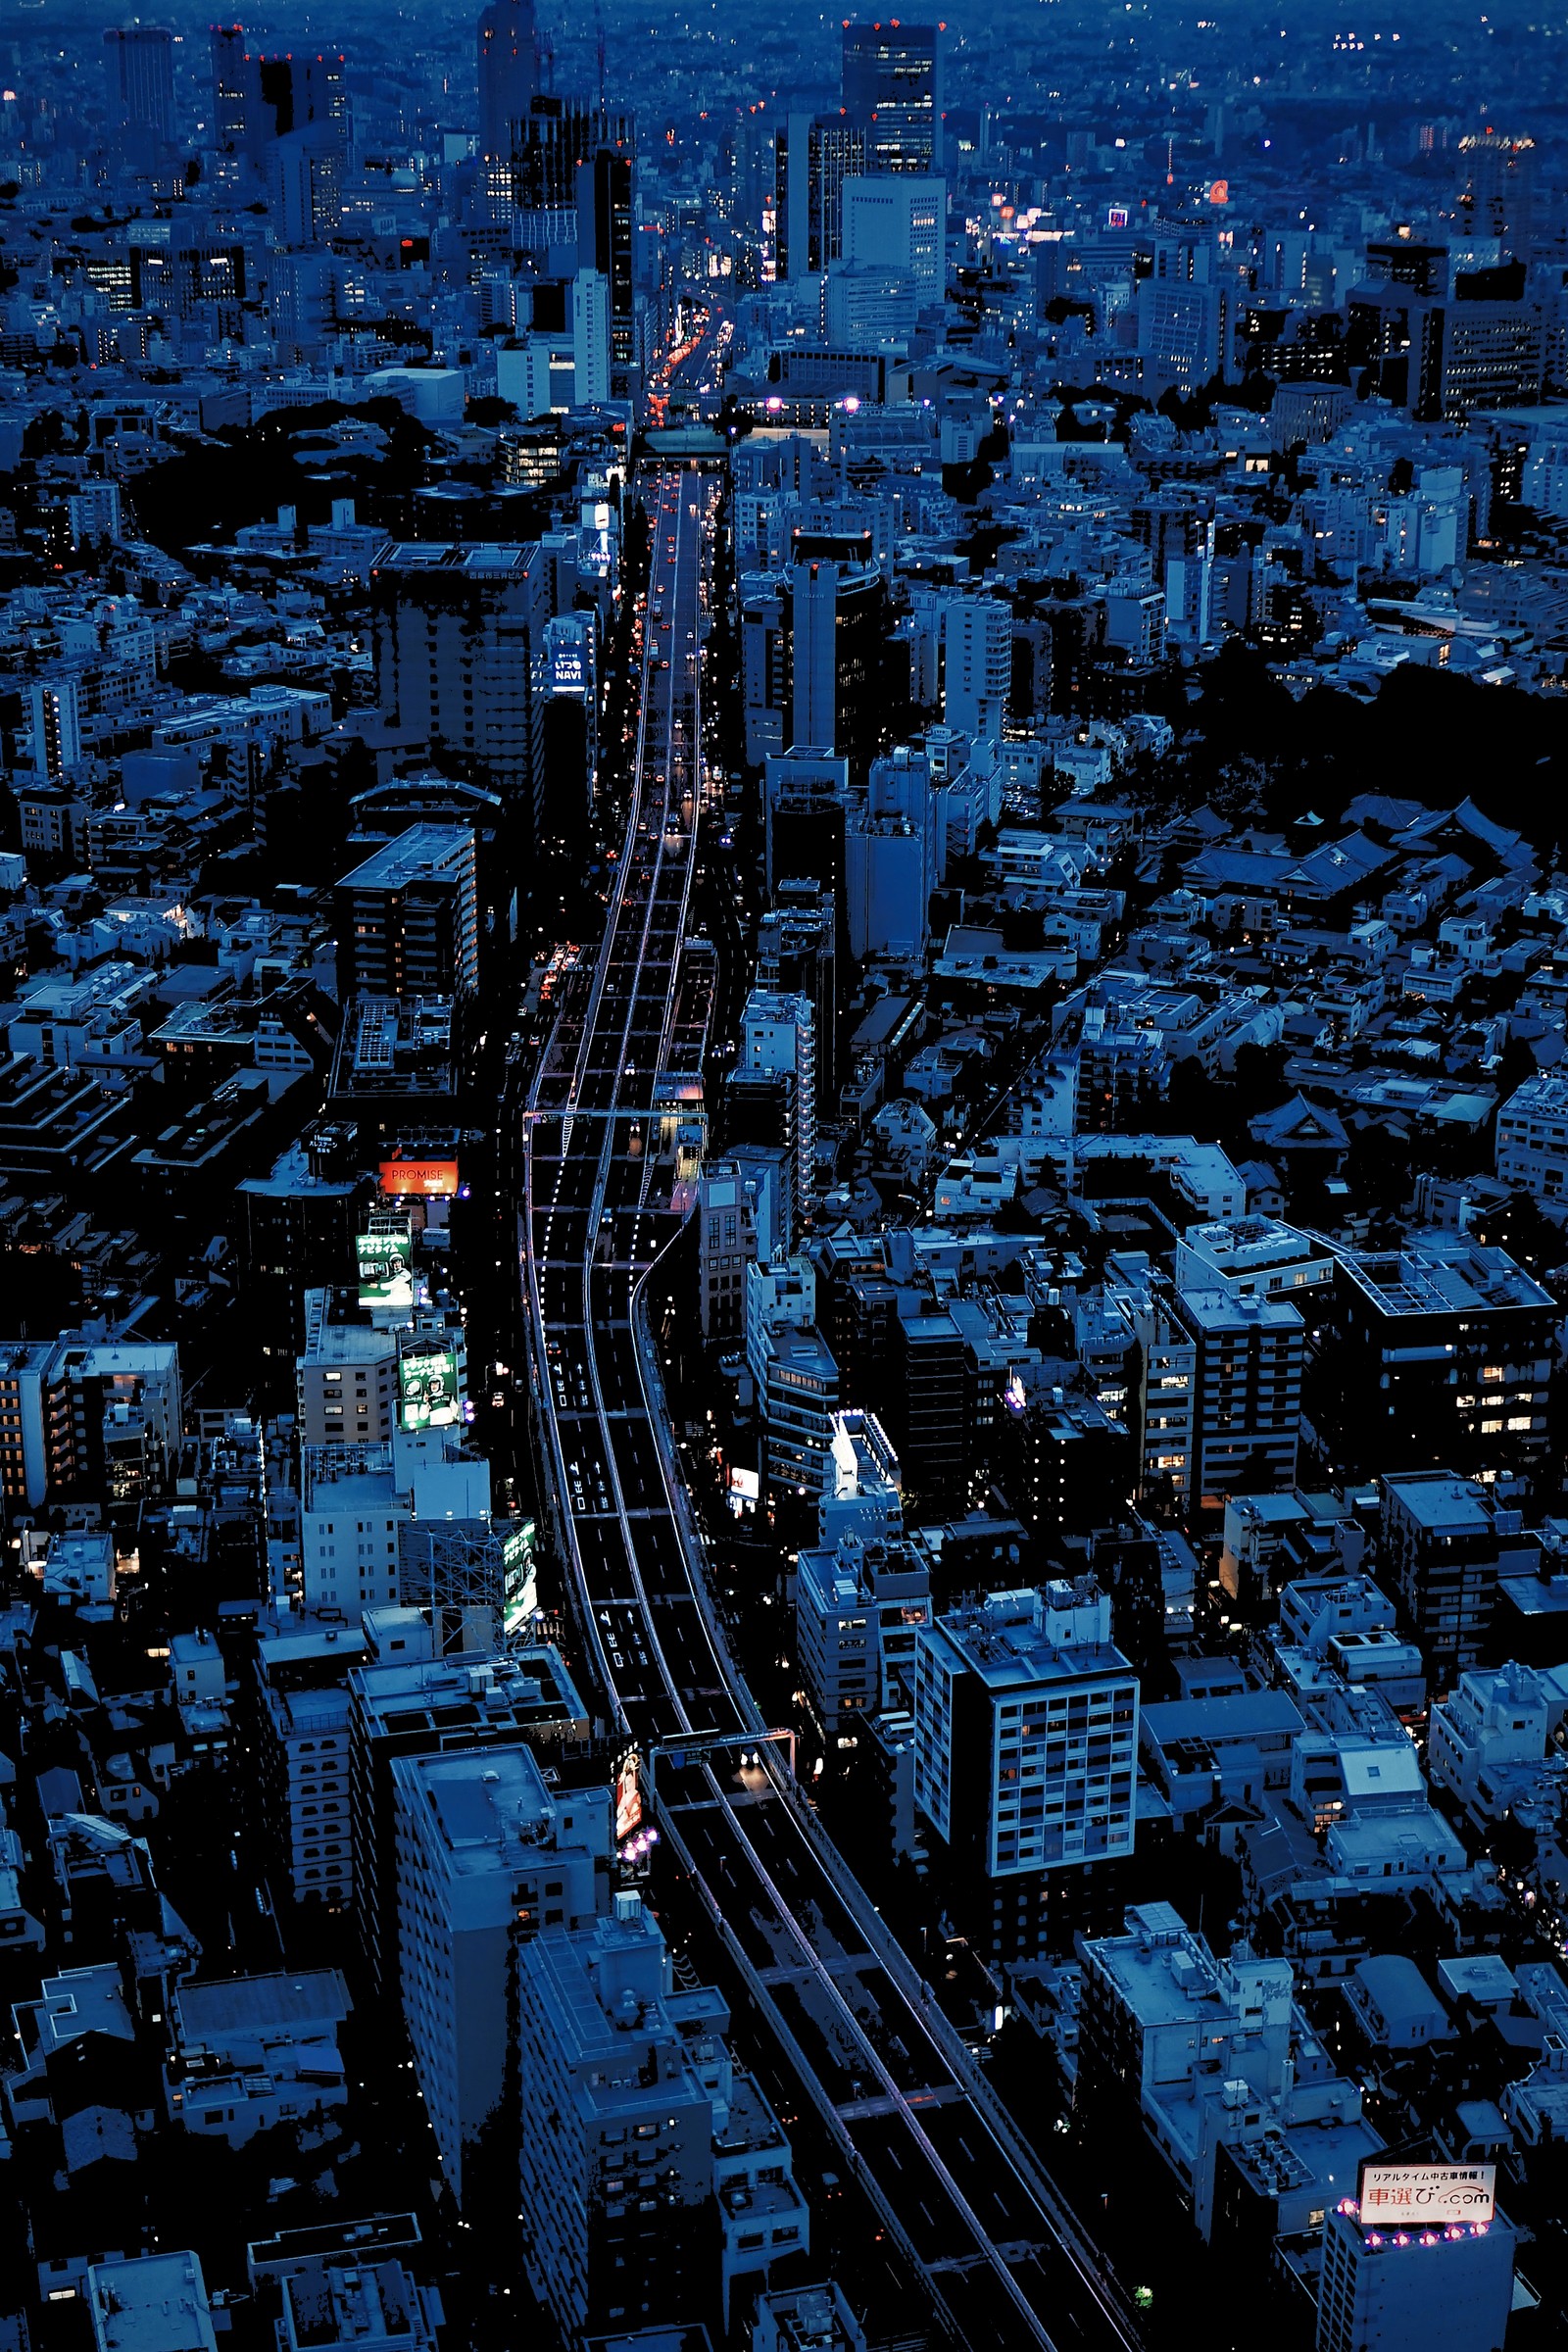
1409	2196
628	1795
427	1389
385	1263
430	1179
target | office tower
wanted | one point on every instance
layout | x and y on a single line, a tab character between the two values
1437	1355
1026	1755
726	1245
898	223
617	2127
139	76
590	338
814	647
459	632
488	1859
814	156
507	68
612	212
305	185
778	1040
285	95
796	1379
834	619
796	950
405	1700
573	178
407	918
297	1234
1448	2288
1184	331
1497	190
1442	342
891	858
892	90
231	81
976	665
804	805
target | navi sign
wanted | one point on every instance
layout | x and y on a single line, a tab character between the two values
1404	2197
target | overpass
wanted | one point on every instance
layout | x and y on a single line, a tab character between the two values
981	2229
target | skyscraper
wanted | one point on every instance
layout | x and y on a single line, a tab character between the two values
231	75
459	631
893	94
814	156
507	71
487	1858
139	76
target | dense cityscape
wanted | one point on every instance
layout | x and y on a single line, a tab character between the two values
783	1179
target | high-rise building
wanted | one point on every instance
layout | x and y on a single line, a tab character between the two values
405	1700
796	951
892	89
616	2126
1496	200
1026	1757
57	745
778	1040
1245	1423
305	185
898	223
459	632
575	182
297	1234
834	617
859	1608
814	156
508	69
590	338
88	1417
231	81
139	73
1449	2288
290	93
976	665
891	858
407	918
488	1859
726	1245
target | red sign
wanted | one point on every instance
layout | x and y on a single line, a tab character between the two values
434	1179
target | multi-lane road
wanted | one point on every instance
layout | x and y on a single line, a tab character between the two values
980	2229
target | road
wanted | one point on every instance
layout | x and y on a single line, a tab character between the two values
904	2102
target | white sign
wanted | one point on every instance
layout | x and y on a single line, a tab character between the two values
1404	2197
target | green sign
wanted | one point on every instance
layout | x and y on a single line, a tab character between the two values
427	1389
385	1261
